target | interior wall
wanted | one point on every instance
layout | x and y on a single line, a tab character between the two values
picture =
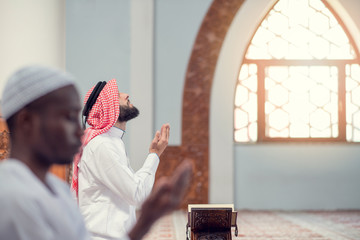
98	47
32	32
98	42
146	46
141	129
177	23
297	176
275	176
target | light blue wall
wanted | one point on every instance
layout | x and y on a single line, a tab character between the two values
297	176
176	25
98	42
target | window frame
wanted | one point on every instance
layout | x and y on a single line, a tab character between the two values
339	63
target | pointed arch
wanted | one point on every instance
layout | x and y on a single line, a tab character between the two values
293	83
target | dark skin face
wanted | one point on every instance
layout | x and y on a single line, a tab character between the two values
48	131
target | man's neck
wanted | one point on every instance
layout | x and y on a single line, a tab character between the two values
24	156
121	125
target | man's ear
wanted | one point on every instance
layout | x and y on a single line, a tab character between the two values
25	121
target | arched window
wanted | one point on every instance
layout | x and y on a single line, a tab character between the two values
300	78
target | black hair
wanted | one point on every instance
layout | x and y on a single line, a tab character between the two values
92	100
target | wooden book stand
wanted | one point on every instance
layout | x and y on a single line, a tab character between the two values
211	222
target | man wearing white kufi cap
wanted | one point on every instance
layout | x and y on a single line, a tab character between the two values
41	106
29	84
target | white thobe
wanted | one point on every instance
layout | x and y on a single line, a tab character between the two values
31	211
109	189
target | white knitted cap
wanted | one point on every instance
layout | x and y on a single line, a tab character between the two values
30	83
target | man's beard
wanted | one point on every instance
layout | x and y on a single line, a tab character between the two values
127	113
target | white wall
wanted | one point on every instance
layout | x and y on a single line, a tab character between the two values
142	79
32	32
274	176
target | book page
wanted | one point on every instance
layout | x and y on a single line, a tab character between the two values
190	206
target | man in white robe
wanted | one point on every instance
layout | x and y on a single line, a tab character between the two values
41	107
108	189
32	210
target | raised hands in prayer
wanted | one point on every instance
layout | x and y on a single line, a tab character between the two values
160	141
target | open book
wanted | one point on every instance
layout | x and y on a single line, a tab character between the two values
190	206
211	221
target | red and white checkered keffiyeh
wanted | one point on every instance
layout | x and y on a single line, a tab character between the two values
102	117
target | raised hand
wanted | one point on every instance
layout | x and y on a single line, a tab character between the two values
165	198
161	140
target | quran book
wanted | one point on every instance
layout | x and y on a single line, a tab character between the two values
190	206
211	221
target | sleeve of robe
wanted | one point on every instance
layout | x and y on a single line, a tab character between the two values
114	172
23	217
